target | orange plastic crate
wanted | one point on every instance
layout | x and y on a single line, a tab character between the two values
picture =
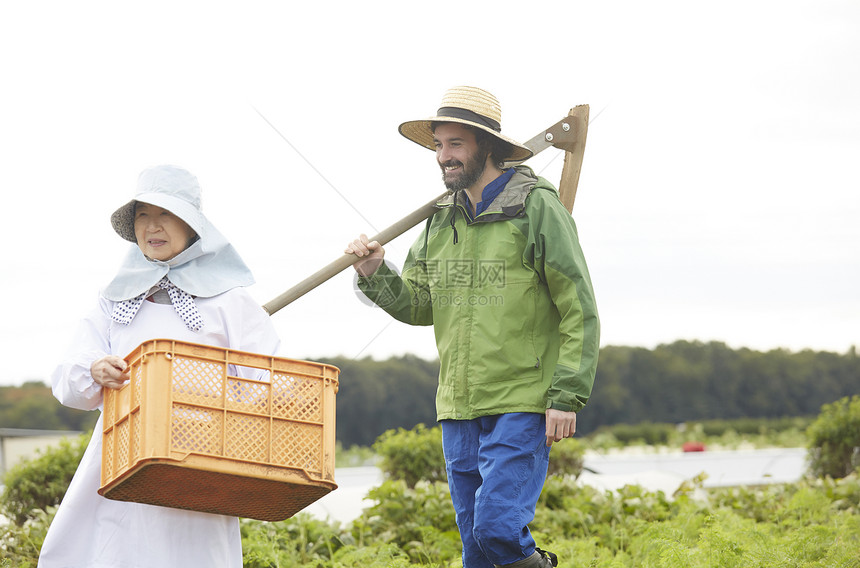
187	432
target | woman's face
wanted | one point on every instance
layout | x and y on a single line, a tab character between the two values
160	234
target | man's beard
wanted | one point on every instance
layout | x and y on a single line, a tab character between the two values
467	175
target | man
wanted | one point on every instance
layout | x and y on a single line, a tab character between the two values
499	273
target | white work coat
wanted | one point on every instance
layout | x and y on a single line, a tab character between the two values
90	531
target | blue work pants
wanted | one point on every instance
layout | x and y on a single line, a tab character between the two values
496	469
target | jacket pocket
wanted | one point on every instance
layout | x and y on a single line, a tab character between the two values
503	336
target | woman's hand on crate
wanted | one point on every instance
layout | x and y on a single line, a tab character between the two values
110	371
370	254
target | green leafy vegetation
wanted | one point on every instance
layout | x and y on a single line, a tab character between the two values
41	482
683	392
834	438
32	490
814	523
412	455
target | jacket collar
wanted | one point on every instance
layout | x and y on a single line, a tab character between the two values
508	204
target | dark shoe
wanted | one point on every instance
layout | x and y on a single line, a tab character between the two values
539	559
548	559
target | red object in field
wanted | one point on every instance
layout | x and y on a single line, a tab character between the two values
693	447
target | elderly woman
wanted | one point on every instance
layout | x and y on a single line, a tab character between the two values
182	281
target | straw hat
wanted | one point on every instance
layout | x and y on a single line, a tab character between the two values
466	105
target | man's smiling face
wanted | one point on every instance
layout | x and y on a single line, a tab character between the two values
459	155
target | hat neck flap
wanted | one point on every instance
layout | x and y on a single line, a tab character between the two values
208	267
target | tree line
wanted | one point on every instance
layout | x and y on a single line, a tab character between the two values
679	382
33	406
672	383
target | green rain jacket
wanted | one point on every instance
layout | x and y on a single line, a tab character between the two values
510	299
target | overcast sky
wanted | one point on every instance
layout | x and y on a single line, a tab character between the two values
719	196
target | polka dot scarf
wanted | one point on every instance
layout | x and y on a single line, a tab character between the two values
183	303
